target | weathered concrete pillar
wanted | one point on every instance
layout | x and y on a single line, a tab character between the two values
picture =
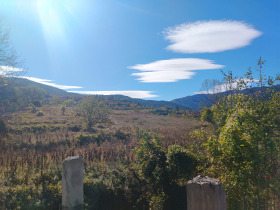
72	183
204	193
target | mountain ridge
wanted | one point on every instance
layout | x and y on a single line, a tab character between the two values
195	102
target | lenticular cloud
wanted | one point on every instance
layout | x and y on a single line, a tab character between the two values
172	70
210	36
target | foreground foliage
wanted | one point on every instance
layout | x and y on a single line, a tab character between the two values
243	147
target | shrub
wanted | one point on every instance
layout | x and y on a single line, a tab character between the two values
69	103
39	114
164	171
3	128
120	135
37	103
74	128
98	138
63	109
181	163
33	108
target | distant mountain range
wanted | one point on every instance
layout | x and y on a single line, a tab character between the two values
194	102
149	103
198	101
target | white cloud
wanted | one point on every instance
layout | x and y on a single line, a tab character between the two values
129	93
225	87
172	70
50	83
210	36
132	94
8	70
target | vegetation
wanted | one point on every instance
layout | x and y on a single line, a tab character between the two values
92	110
31	169
140	157
243	146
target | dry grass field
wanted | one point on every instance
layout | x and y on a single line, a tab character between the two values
55	136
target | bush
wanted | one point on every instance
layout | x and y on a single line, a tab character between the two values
164	171
33	109
181	163
98	138
3	128
120	135
39	114
63	109
69	103
207	115
37	103
74	128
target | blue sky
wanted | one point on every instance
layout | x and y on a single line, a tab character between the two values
160	49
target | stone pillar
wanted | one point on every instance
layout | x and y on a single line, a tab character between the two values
72	183
204	193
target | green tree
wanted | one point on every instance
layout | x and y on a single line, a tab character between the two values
207	115
244	145
63	109
92	110
69	103
3	128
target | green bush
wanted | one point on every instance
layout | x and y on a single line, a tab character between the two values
164	171
39	114
98	138
63	109
74	128
181	163
3	128
207	115
32	191
120	135
37	103
69	103
33	108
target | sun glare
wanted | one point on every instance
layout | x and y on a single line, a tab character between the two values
53	15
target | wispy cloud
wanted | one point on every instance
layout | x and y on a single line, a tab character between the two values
50	83
225	87
210	36
172	70
129	93
8	70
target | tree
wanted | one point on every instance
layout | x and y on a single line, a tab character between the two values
3	128
8	67
9	60
92	110
244	145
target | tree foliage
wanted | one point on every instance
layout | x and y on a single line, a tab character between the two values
244	145
92	110
165	171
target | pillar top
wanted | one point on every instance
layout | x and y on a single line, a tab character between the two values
200	179
73	158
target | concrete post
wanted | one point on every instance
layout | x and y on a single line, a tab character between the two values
204	193
72	183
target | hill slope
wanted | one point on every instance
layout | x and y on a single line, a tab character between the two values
198	101
49	89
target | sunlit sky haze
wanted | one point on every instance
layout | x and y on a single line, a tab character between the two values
158	50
